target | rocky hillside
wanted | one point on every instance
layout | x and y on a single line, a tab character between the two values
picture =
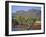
30	12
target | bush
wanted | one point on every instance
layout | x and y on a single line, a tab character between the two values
26	20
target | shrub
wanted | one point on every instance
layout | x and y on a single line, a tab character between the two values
26	20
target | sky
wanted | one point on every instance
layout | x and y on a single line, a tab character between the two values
17	8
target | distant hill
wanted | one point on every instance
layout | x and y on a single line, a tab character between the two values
30	12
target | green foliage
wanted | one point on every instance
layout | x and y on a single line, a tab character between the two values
26	19
18	19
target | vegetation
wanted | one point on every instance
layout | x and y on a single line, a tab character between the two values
26	20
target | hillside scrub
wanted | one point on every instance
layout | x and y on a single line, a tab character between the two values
26	20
